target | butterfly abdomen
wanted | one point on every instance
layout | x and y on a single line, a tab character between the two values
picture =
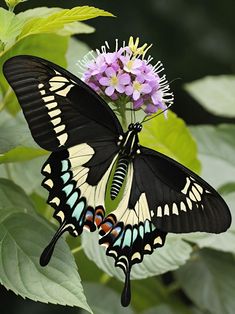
119	176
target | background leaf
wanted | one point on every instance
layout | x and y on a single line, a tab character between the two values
215	93
10	27
58	283
67	30
95	296
216	147
13	132
57	20
171	137
173	254
13	196
208	279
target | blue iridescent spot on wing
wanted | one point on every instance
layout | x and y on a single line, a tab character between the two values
68	189
65	177
65	165
78	210
141	231
72	199
127	238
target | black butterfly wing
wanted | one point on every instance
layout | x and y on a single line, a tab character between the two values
178	200
60	109
161	196
76	179
70	119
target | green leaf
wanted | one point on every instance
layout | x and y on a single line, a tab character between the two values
215	93
171	137
10	27
43	46
216	148
227	188
76	28
110	305
174	253
161	309
27	174
21	154
208	279
13	132
22	239
67	30
58	20
36	12
13	196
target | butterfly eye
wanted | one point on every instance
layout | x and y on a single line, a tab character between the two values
139	127
130	127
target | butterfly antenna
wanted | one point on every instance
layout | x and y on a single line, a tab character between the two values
145	120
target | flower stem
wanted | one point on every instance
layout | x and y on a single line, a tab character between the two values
122	109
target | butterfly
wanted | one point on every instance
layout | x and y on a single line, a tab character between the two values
91	151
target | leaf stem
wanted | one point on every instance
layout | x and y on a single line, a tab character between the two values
77	249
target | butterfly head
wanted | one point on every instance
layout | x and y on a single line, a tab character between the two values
137	127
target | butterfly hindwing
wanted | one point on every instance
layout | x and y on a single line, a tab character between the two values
129	234
178	200
76	179
60	109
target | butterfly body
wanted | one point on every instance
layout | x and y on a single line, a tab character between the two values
155	194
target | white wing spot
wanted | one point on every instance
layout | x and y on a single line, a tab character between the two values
59	128
159	211
49	183
166	210
199	188
196	193
147	247
64	91
175	209
192	197
55	200
183	207
54	113
185	189
47	168
158	240
59	78
56	121
61	215
62	138
136	256
190	205
48	98
56	85
51	105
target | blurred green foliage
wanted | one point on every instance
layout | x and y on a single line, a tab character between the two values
191	274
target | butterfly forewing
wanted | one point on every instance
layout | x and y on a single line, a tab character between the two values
178	200
60	109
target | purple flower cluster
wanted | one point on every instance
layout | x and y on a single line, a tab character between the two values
125	74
